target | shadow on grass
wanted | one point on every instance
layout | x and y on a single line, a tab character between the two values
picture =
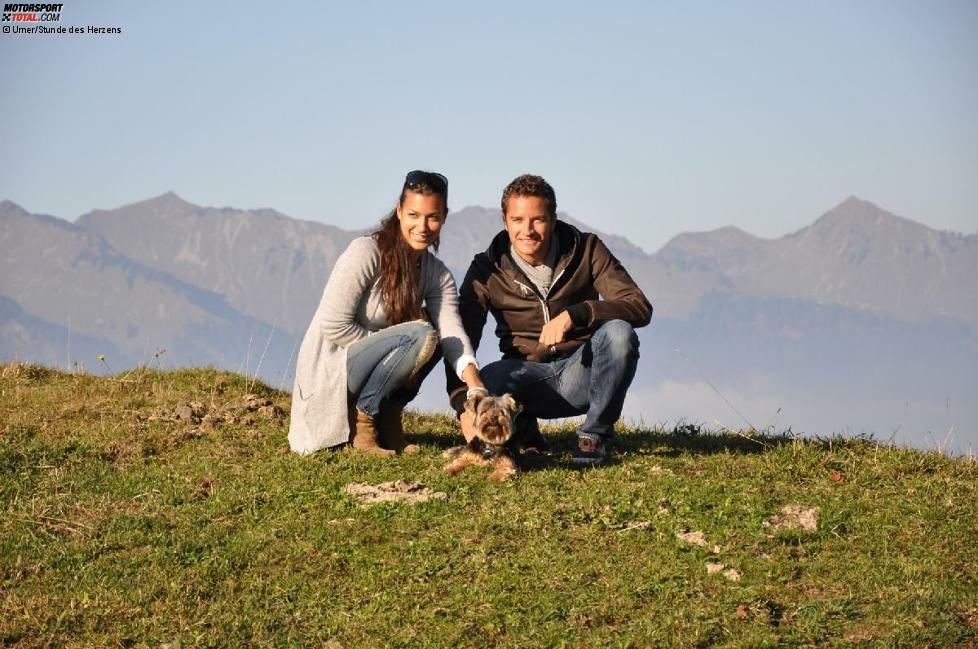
441	431
683	439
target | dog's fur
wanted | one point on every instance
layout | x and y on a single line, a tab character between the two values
494	442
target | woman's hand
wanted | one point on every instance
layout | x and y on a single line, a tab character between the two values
471	377
474	383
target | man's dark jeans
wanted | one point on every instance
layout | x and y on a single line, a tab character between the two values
593	380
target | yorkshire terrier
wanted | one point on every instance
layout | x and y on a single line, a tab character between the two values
494	442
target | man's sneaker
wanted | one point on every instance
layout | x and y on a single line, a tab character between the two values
591	450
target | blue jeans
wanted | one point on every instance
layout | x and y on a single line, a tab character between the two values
592	381
390	364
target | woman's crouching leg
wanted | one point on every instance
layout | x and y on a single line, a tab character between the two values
390	421
401	356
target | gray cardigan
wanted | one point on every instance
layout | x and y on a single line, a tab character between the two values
350	310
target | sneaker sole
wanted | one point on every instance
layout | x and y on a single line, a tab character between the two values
586	461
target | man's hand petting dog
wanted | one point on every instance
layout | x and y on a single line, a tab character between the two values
491	442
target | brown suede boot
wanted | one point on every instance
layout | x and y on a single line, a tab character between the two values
365	438
391	429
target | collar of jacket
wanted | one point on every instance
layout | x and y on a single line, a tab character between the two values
567	237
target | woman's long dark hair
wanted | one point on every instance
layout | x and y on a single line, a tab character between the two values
400	273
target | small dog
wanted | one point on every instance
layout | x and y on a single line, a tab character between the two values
494	442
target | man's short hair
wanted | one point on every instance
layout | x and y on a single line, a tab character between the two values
529	185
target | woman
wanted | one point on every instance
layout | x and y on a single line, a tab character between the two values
370	343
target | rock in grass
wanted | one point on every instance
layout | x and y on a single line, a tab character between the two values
396	491
731	574
713	568
795	517
693	538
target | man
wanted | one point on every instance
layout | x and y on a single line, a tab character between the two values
565	351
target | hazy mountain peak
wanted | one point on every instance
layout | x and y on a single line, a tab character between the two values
167	205
853	200
855	206
10	207
168	197
732	233
476	210
12	213
168	201
855	212
726	238
171	206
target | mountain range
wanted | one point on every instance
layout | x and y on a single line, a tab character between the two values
860	307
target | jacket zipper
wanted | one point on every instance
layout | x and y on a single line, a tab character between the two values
554	281
543	305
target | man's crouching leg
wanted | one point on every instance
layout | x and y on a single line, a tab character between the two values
613	351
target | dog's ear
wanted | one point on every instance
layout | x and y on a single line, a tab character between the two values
472	403
511	403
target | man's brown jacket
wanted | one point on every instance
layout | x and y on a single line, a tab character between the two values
585	270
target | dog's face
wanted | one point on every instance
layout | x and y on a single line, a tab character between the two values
493	416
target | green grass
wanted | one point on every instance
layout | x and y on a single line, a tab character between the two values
121	529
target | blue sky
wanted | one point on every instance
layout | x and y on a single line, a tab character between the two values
648	118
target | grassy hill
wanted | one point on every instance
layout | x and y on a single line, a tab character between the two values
164	508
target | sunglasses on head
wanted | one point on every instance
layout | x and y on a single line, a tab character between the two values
418	178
